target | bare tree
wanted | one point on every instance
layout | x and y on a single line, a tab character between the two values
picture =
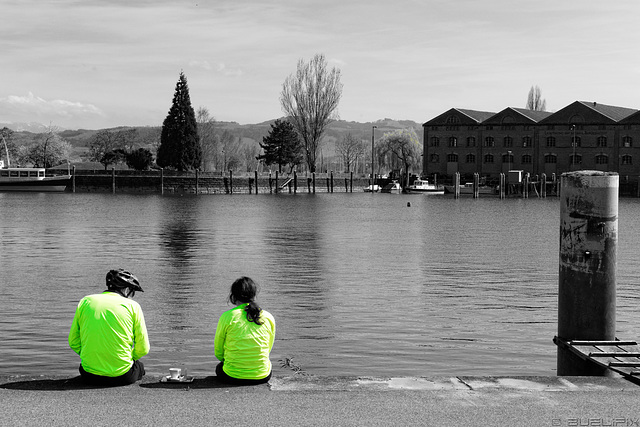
535	101
208	139
350	148
310	98
405	146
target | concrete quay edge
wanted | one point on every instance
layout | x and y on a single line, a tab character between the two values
304	400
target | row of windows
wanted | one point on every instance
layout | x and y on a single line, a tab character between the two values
507	141
527	159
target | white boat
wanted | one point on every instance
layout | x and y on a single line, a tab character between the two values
369	188
31	179
467	188
392	187
423	186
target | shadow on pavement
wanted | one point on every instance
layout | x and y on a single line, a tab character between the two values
206	382
75	383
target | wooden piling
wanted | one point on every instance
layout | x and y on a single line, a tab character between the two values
314	181
277	184
543	185
587	274
503	183
295	182
73	180
231	181
197	182
476	185
332	181
113	180
456	186
256	180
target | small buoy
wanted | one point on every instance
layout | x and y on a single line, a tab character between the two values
409	204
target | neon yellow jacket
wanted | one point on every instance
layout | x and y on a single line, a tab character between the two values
109	333
244	346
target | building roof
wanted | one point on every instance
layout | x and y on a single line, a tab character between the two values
465	117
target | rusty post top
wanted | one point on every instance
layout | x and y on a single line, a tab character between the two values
589	173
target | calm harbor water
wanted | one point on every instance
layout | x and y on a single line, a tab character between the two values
359	284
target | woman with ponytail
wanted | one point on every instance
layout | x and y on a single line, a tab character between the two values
244	337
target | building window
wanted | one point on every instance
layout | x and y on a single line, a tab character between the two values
471	158
576	141
602	141
471	141
550	158
526	127
526	141
508	141
626	160
452	158
627	141
488	158
435	158
602	159
435	141
526	159
489	142
507	158
453	141
453	123
575	159
551	141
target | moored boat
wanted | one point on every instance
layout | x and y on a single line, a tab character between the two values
392	187
467	188
31	179
423	186
372	188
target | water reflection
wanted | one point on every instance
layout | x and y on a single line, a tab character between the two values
359	284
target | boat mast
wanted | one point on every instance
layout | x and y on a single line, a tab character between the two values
6	150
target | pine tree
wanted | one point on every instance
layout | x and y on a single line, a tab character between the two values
282	146
179	141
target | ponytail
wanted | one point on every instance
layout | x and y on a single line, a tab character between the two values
253	312
244	290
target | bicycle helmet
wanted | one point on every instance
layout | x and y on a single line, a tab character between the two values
118	279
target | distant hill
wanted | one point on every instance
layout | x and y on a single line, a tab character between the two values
248	133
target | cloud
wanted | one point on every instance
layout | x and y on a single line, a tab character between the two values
34	108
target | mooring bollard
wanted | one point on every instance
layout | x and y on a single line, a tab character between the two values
587	276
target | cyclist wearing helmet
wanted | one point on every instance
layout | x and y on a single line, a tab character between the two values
109	333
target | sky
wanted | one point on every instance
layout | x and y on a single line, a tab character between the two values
95	64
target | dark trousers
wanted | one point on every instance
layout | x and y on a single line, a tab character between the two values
222	376
134	374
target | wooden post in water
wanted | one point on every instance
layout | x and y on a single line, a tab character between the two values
277	184
351	182
503	183
308	185
295	182
230	181
543	185
476	185
197	182
73	180
255	174
332	181
587	277
456	185
113	180
525	185
346	185
328	186
270	183
161	180
314	182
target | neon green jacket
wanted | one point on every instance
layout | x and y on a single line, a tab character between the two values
109	333
244	346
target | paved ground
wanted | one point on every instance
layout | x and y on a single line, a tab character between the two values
322	401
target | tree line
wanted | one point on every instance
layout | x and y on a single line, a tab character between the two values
190	140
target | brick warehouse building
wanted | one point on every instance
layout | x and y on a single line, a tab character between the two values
607	138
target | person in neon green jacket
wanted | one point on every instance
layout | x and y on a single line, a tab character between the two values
244	337
109	333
